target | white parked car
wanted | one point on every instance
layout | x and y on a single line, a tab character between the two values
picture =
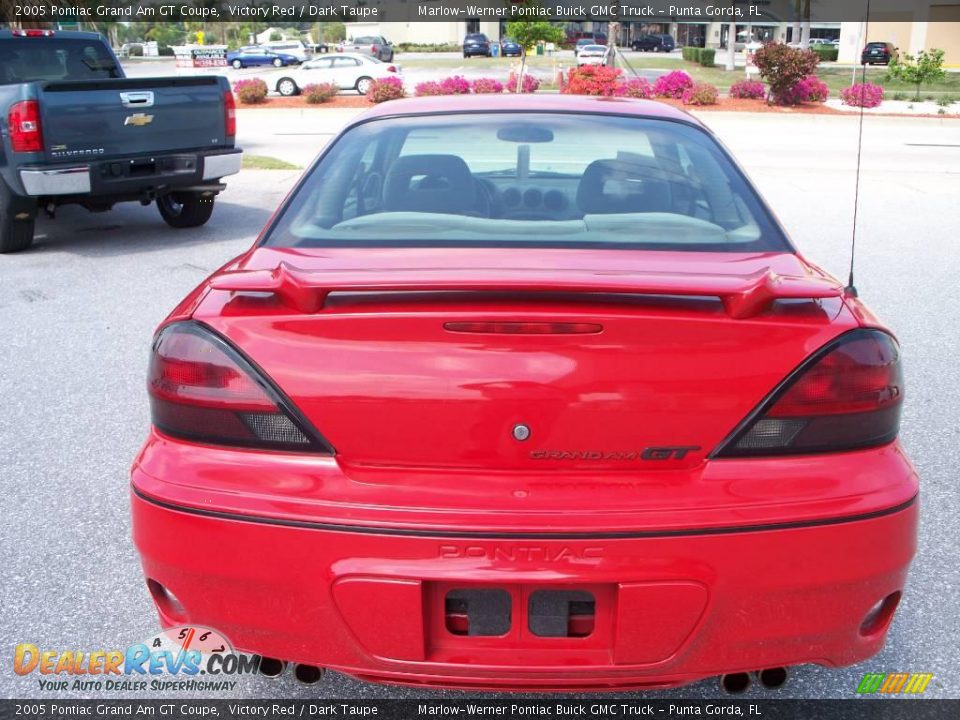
348	71
289	47
592	55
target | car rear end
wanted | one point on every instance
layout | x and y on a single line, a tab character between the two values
876	52
617	434
476	44
592	55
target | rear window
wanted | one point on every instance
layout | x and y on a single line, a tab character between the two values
34	59
532	179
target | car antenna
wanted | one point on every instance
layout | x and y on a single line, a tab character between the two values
851	289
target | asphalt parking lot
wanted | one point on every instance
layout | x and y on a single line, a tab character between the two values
77	313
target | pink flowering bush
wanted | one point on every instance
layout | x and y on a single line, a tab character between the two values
455	85
486	86
389	88
865	95
635	87
250	92
319	93
427	88
815	89
530	83
672	84
700	94
748	90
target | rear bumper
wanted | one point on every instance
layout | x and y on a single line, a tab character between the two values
669	609
125	176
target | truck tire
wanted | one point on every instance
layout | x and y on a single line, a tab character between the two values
15	234
185	209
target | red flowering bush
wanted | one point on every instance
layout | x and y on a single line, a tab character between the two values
250	92
486	86
455	85
672	84
593	80
865	95
319	93
389	88
748	90
700	94
635	87
530	83
783	67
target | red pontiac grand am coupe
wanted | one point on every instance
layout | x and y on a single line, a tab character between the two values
529	393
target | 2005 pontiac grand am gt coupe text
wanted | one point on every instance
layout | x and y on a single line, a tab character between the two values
531	393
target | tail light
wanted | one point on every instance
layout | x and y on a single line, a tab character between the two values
229	113
846	396
32	33
374	49
201	388
391	68
23	120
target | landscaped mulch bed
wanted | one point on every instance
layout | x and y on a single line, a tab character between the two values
725	104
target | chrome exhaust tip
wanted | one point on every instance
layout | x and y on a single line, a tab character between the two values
307	674
735	683
271	667
772	678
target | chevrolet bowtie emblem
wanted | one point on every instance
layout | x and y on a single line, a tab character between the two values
138	119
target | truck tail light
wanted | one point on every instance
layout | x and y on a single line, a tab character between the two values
846	396
202	389
24	123
31	33
229	113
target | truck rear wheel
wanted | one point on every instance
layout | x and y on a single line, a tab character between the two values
16	234
185	209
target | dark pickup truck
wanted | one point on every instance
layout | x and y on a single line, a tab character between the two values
76	130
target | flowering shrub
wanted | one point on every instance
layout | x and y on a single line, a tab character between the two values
455	85
429	87
593	80
672	84
865	95
389	88
700	94
530	83
250	92
635	87
319	93
748	89
783	67
486	86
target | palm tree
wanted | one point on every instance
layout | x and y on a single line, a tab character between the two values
805	29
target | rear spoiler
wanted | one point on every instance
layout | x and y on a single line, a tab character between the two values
743	296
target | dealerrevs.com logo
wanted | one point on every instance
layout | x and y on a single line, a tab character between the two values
183	658
894	683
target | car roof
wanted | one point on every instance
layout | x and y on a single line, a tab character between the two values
355	56
527	102
62	34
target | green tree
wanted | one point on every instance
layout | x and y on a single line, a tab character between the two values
334	31
926	67
529	33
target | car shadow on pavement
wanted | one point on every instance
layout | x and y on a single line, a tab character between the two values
130	228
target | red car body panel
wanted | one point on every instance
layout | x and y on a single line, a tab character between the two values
698	565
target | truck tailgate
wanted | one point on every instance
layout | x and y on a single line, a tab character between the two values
113	118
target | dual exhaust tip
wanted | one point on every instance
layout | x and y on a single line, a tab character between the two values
768	679
305	674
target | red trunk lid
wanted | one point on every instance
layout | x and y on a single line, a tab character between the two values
654	378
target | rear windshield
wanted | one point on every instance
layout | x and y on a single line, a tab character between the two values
532	179
43	58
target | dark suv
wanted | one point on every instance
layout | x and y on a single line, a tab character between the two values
654	43
476	44
878	53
